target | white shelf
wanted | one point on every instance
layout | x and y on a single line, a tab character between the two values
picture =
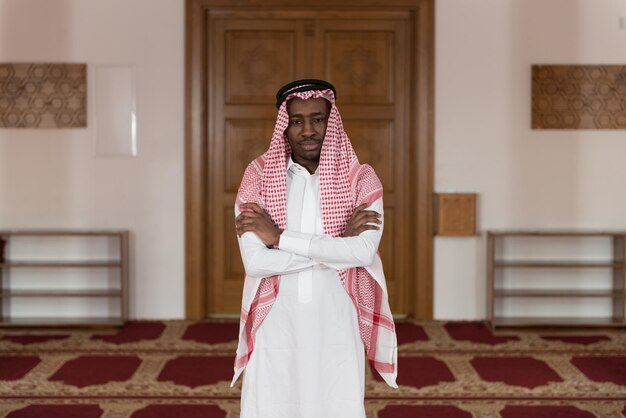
44	298
576	258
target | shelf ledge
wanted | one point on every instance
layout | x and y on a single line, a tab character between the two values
60	322
559	264
60	293
565	293
557	322
54	264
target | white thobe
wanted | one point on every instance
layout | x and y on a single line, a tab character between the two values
308	359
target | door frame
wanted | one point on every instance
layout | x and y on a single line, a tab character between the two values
421	144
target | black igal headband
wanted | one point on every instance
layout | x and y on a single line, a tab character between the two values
302	85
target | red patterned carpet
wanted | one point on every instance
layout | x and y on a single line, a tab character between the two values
182	369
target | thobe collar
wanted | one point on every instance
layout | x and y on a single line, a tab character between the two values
297	169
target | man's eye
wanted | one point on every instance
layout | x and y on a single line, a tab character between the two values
295	122
320	120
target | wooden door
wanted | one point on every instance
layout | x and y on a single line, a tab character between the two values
380	57
251	55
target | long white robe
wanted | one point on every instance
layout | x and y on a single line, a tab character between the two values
308	360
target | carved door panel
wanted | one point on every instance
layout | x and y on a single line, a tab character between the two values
366	60
251	56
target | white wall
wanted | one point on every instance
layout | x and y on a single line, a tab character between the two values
483	142
52	178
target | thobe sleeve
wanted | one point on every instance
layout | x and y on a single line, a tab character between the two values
336	252
260	261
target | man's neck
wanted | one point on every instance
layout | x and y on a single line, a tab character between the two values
310	166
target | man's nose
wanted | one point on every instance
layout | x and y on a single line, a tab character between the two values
307	128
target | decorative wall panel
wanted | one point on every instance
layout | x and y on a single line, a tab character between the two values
579	96
455	214
43	95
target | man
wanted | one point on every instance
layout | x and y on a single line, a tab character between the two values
309	221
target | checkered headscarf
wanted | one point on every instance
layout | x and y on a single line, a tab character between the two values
344	185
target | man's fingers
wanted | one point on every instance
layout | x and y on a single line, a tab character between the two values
367	213
371	213
367	228
249	215
363	223
245	225
246	221
360	208
370	217
252	206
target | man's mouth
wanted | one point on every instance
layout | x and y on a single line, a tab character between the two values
310	145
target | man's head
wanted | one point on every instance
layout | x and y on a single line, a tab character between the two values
308	120
301	86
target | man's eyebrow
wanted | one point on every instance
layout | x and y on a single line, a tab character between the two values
299	115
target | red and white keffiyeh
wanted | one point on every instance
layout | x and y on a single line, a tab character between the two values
344	185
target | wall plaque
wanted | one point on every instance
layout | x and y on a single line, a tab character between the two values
43	95
579	96
455	214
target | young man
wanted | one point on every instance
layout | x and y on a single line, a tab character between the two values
309	221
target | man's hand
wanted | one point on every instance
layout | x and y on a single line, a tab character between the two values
359	220
254	219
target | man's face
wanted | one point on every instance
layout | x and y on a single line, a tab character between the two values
306	130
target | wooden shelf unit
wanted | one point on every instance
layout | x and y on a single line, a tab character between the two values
119	293
616	295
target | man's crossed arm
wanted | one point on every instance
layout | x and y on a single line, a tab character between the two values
266	250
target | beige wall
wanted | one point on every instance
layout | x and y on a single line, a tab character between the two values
483	140
52	178
484	49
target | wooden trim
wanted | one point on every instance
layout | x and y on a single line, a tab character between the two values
555	293
60	232
491	276
62	294
619	278
564	322
48	322
2	258
558	233
422	157
421	152
64	264
305	14
124	273
195	155
332	4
